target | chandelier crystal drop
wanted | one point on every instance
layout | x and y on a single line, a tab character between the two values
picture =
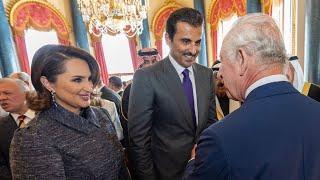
114	16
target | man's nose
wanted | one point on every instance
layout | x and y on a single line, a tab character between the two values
2	96
194	48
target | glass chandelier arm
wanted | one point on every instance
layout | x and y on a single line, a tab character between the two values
115	16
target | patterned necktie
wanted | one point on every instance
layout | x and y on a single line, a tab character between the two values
21	121
187	86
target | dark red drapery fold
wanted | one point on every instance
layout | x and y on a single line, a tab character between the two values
22	53
214	36
158	44
98	51
40	15
133	52
64	41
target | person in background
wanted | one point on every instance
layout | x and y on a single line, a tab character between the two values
294	73
67	139
112	110
12	100
23	76
108	94
275	132
146	57
3	113
171	102
224	105
115	83
124	84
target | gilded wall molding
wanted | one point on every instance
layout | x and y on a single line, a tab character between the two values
161	16
38	14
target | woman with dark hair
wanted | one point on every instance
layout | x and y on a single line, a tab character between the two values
67	139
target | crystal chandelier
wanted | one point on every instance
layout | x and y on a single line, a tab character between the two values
115	16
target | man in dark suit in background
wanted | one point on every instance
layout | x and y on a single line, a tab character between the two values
275	133
110	95
115	83
171	102
12	100
147	57
114	97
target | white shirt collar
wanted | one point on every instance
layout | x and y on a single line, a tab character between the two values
265	80
29	116
178	67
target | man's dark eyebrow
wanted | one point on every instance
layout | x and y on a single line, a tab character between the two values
199	41
185	39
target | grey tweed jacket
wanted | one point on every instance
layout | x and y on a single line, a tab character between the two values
59	144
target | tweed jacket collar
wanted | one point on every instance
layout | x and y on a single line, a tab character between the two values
74	121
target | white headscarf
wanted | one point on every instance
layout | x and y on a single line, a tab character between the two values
298	77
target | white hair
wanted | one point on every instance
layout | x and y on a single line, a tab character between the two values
22	85
259	36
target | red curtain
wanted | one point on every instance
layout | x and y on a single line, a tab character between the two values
41	16
214	36
22	53
221	9
159	46
98	51
64	41
133	52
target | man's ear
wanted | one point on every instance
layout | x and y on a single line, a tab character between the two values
44	81
168	40
242	57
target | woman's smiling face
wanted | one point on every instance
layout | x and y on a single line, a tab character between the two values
73	87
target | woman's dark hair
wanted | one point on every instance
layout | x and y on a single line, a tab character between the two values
188	15
49	61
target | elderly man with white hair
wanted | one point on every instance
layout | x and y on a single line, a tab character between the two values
12	100
275	133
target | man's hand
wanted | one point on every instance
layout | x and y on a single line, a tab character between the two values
193	152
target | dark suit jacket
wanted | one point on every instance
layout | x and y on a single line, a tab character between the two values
7	128
125	101
124	115
160	123
273	135
110	95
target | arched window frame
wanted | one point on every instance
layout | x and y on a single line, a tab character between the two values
100	54
284	11
159	22
114	56
39	15
221	9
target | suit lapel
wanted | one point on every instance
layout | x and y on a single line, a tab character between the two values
12	122
173	83
199	83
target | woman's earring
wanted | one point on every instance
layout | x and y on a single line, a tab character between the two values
53	97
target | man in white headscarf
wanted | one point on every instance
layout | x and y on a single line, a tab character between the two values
294	73
224	105
295	76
